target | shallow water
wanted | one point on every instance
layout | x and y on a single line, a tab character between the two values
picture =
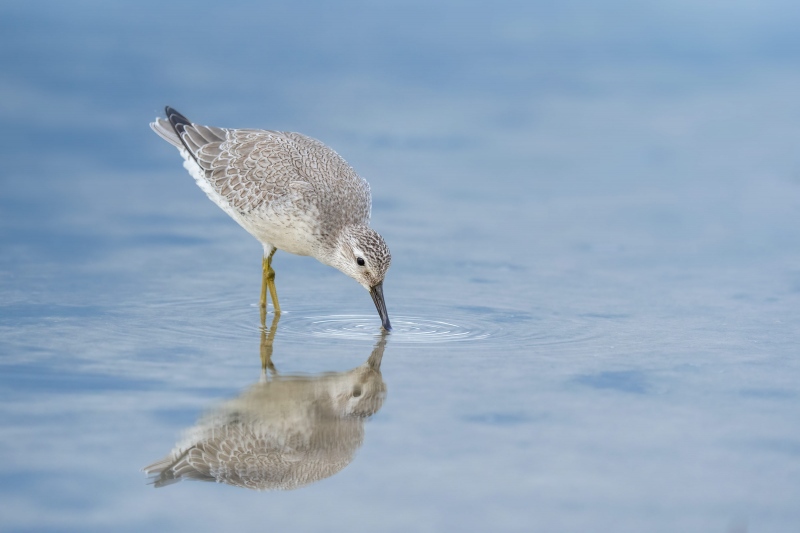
595	285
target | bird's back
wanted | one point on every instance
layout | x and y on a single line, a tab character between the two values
248	172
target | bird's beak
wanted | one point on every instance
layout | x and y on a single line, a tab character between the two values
377	296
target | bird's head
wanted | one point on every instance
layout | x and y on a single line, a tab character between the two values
362	254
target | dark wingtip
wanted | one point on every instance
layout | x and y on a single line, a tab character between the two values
178	123
172	111
177	120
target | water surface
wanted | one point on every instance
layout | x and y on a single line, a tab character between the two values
593	213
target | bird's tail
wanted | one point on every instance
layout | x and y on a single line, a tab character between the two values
165	129
181	133
171	128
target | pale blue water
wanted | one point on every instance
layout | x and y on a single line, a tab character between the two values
594	215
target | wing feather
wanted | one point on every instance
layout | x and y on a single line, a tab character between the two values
247	168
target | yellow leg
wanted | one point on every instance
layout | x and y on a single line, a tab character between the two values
268	283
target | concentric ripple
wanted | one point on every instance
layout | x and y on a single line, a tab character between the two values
494	328
367	327
227	319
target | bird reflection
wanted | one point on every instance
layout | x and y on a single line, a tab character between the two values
282	433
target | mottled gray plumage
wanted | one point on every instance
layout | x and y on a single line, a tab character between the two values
289	191
282	433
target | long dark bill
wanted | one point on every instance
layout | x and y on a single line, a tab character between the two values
377	296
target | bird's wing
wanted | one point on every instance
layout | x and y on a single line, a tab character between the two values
247	167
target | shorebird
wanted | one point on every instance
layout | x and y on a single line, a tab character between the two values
289	191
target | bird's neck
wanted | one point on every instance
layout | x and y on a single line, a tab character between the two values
332	253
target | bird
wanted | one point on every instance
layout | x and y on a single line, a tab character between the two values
281	433
290	192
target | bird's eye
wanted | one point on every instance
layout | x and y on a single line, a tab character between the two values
360	261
